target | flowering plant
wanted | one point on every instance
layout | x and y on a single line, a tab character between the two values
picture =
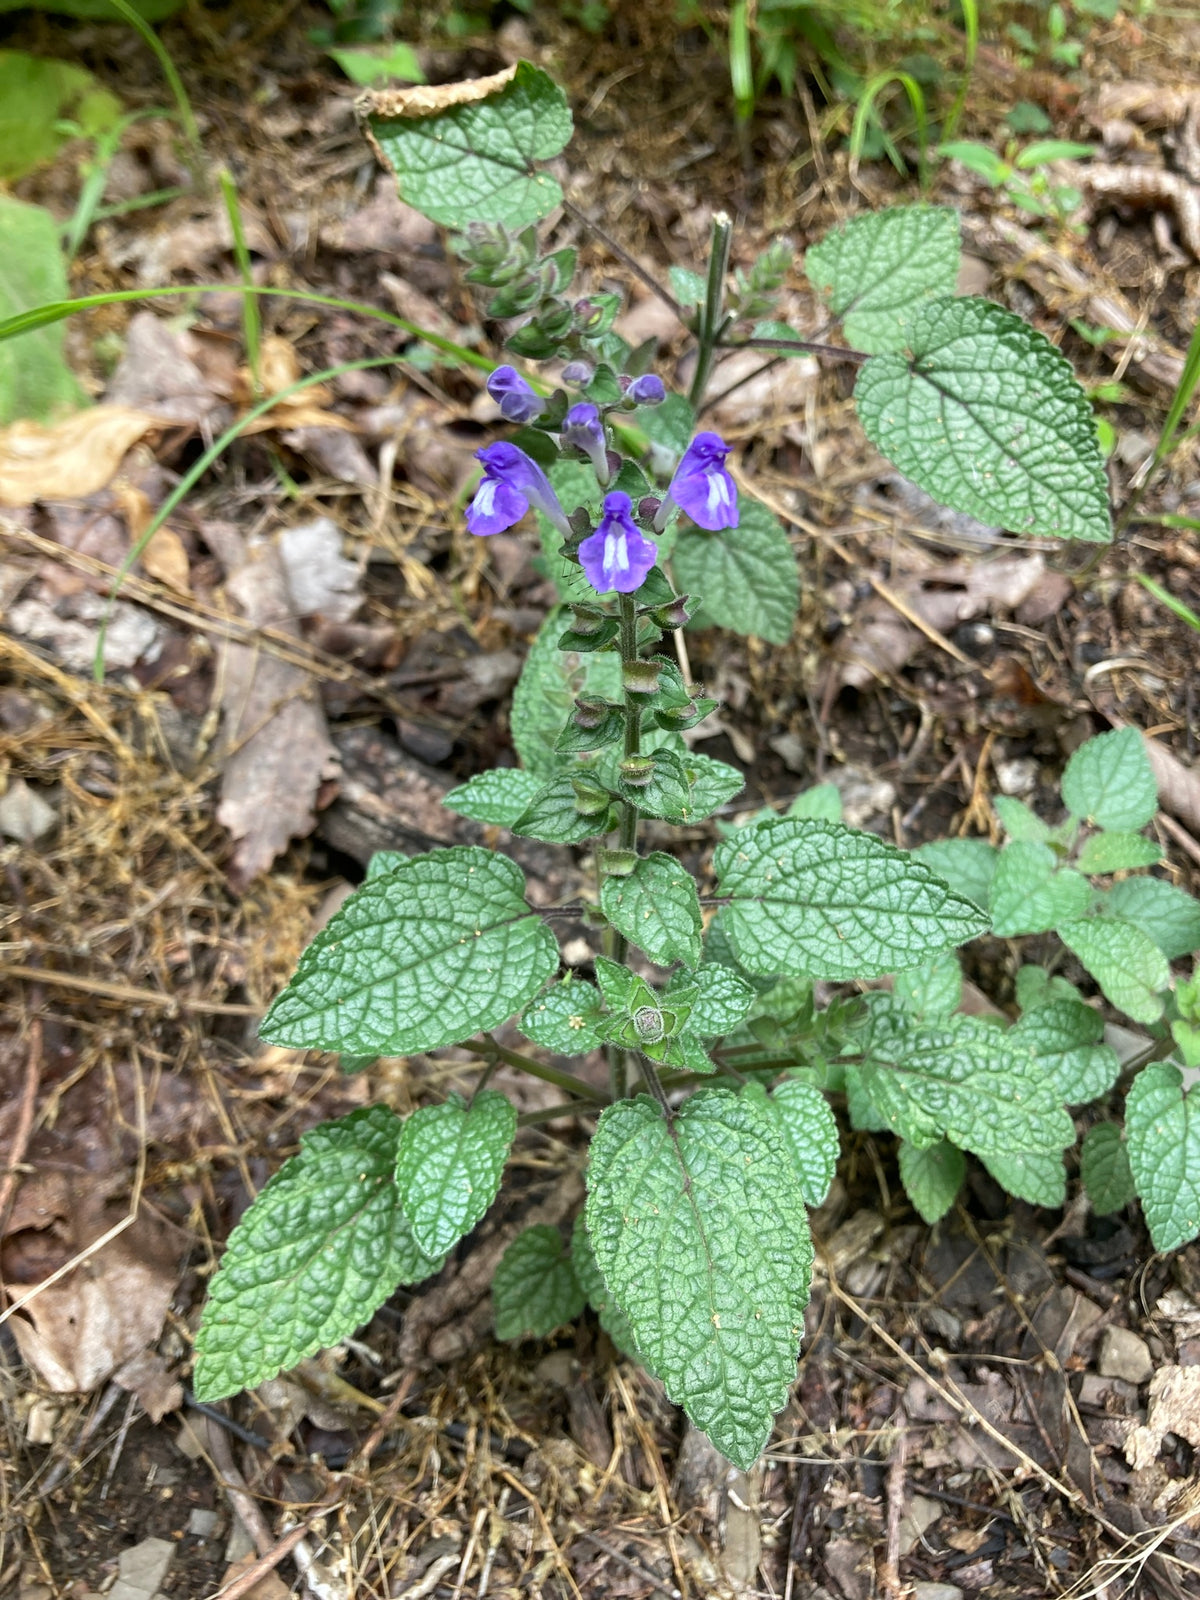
714	1130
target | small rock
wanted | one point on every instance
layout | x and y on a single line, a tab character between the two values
919	1516
319	578
1017	777
936	1591
203	1524
863	795
1123	1354
1100	1391
141	1570
24	815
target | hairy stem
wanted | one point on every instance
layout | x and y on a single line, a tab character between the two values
495	1053
712	321
615	944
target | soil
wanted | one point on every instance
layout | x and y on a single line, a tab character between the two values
955	1421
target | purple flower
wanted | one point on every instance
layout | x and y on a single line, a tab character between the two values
646	391
512	394
576	373
512	482
583	429
617	556
702	487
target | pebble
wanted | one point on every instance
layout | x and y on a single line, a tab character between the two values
1123	1354
936	1591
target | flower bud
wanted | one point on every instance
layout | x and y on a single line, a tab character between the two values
647	509
672	615
590	799
588	620
577	373
648	390
590	711
648	1020
640	677
637	771
616	863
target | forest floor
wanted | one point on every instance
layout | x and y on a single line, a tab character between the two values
958	1421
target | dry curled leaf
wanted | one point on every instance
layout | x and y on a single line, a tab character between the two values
278	748
73	458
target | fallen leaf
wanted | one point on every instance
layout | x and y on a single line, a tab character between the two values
157	375
73	458
279	750
1174	1408
1178	786
319	578
166	559
77	1331
147	1376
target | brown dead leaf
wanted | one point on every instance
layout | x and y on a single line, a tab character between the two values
77	1331
157	375
1174	1408
165	558
269	1587
146	1375
73	458
1178	786
279	750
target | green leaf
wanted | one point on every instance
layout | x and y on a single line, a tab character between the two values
383	862
688	287
436	950
563	1017
1164	913
986	415
823	802
1036	1176
819	899
553	815
1019	822
470	158
699	1229
967	865
35	381
1110	781
498	796
932	1175
1104	1168
1035	987
535	1290
878	268
712	785
1117	852
617	984
1031	894
365	65
37	95
746	575
809	1130
587	1272
1163	1142
657	908
724	999
962	1079
1067	1038
668	794
575	484
314	1257
1129	967
546	690
669	427
932	990
449	1163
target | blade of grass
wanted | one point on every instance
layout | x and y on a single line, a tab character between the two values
970	11
866	108
251	323
1169	435
197	470
58	310
187	117
1166	598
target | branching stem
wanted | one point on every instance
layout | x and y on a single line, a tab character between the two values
495	1053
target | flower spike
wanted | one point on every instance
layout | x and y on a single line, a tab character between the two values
517	401
702	487
512	482
618	555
